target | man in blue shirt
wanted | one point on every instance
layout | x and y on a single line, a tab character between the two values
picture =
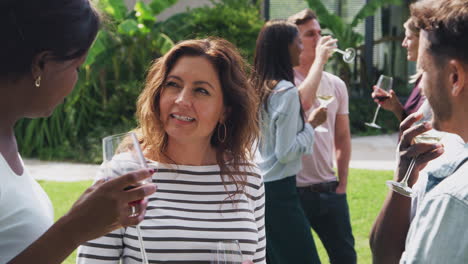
437	232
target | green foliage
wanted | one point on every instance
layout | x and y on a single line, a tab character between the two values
370	9
238	21
103	101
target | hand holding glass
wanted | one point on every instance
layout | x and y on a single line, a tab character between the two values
122	154
430	137
385	84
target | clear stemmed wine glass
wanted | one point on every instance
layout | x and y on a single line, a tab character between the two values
385	84
122	154
227	252
430	137
348	54
325	96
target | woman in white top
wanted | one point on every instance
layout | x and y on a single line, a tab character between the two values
43	44
198	119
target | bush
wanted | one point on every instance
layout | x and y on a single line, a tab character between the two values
238	21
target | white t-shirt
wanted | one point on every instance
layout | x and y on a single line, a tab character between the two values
318	166
25	211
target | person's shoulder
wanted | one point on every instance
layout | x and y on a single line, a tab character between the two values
454	187
283	96
250	169
335	80
284	86
332	77
252	174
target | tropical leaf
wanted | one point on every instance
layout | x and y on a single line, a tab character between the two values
128	27
328	20
144	13
97	48
371	8
163	43
160	5
115	8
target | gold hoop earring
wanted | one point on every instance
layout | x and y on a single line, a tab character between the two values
225	133
37	82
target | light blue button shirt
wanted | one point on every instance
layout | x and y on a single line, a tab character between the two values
438	232
285	137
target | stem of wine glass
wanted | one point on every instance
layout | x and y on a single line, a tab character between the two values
408	171
144	258
375	115
340	51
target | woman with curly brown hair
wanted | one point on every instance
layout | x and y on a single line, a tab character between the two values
198	119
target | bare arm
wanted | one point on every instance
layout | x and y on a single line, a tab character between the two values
388	234
101	209
308	88
342	150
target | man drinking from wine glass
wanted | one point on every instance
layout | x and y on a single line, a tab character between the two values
322	192
431	228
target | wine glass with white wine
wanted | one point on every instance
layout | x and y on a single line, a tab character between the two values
385	85
430	137
325	96
122	154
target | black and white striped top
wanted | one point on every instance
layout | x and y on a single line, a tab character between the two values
189	213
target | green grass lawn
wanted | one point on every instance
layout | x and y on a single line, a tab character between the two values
366	192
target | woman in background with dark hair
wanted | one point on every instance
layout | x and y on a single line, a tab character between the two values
285	138
43	44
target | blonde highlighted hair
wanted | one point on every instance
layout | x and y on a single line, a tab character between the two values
414	30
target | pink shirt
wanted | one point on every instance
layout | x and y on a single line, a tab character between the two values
318	167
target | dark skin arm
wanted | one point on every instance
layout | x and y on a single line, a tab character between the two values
101	208
388	234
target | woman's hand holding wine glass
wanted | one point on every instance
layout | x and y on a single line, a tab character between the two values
383	92
387	100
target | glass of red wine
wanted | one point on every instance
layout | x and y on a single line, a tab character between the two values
384	85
